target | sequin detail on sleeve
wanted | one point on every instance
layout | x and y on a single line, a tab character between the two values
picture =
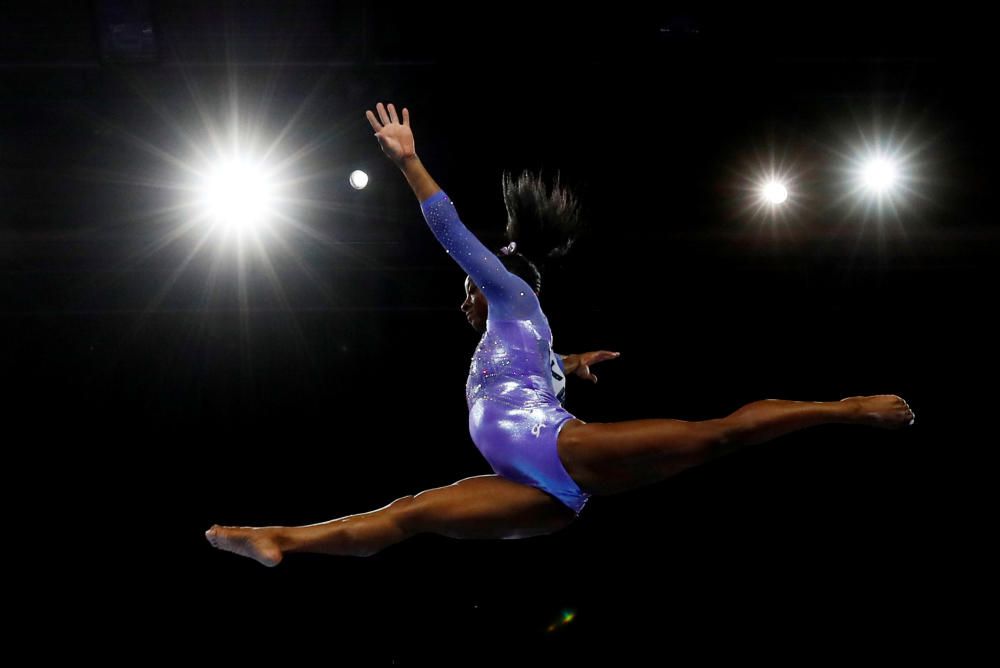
510	298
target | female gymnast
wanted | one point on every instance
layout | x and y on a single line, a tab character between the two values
546	462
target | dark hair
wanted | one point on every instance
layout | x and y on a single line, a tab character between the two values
543	223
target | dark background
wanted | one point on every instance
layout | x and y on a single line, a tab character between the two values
158	386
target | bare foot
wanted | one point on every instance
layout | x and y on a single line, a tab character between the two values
883	410
258	544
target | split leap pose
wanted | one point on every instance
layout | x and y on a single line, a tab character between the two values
546	462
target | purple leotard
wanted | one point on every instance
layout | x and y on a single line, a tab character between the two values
514	414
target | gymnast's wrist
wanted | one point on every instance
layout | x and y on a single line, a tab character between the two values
407	161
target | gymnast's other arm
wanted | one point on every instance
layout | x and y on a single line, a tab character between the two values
579	364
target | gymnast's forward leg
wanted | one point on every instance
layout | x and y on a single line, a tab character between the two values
606	458
485	506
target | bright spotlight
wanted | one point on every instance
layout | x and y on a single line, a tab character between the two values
879	174
358	179
237	195
881	178
775	192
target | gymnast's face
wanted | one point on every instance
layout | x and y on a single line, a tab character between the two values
475	307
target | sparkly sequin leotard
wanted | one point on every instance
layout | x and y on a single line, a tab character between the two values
514	414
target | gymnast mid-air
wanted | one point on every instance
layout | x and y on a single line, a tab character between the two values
547	463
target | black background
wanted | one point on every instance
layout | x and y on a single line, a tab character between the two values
150	397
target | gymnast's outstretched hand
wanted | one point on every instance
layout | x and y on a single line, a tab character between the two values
579	364
395	138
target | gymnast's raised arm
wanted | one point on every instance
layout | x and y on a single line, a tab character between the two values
509	296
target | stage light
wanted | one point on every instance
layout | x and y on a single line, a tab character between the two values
358	179
237	194
768	188
879	174
775	192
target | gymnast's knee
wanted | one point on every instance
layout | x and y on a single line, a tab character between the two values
370	533
410	515
728	431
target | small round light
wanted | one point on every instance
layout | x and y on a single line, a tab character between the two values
358	179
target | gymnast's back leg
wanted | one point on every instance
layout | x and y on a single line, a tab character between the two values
480	507
607	458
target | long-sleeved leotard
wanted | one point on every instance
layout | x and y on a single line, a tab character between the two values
514	414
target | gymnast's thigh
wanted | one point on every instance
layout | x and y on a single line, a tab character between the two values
486	506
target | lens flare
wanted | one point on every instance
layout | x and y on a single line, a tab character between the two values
567	617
